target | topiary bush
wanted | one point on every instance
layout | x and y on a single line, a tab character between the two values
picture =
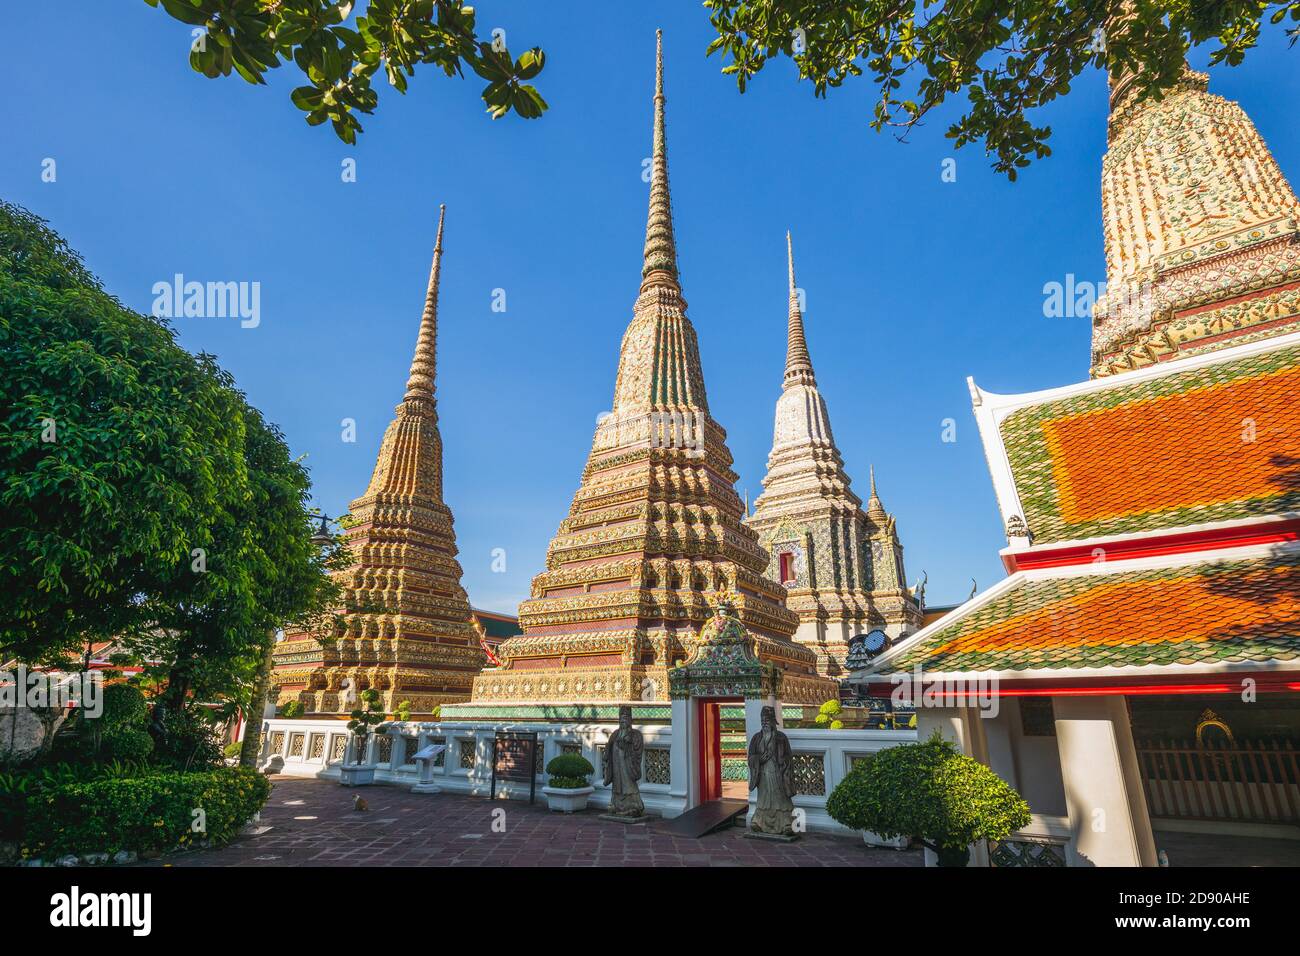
293	709
569	771
828	715
124	706
930	792
150	813
126	743
118	733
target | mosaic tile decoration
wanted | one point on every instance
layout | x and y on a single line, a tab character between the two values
735	768
1209	444
1214	612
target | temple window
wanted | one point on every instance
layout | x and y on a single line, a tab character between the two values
787	567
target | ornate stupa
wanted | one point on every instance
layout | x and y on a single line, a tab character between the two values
1202	230
842	566
654	535
408	630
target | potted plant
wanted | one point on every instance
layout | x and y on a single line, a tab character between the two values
363	718
929	792
569	785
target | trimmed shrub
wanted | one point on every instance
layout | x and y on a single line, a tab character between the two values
124	706
151	813
293	709
233	749
126	743
20	788
569	771
930	792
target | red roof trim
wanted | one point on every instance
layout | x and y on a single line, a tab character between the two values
1274	532
1265	683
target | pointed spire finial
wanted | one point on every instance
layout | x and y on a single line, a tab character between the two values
420	383
660	266
875	508
798	365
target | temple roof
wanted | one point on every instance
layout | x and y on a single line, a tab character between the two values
1223	612
1210	439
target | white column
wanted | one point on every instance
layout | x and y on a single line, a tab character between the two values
1104	796
997	741
683	761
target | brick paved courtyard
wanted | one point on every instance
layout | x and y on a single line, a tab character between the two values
312	823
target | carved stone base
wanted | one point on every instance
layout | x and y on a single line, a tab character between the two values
778	837
618	818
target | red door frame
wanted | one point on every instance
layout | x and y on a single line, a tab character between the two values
708	723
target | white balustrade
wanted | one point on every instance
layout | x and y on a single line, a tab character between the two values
823	757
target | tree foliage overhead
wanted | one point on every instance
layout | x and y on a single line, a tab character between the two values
1006	57
250	37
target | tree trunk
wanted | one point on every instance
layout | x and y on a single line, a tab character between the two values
253	719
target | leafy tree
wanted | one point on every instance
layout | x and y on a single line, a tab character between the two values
250	37
930	792
144	499
264	570
115	447
1007	57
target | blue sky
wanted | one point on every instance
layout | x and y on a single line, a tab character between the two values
912	283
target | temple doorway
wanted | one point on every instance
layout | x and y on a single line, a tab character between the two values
708	747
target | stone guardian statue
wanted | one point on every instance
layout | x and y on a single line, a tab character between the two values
623	754
771	773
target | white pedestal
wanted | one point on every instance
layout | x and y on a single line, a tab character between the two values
357	775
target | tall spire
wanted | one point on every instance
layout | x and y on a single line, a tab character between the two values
660	268
423	647
1196	213
798	366
875	508
420	383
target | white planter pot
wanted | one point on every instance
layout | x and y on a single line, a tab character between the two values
567	801
878	842
357	775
